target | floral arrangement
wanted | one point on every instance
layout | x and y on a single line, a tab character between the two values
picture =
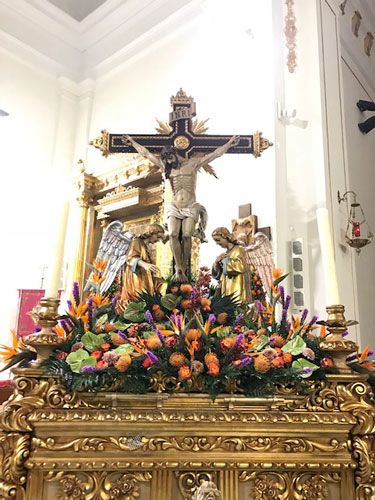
189	339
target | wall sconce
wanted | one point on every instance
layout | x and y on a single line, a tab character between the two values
356	224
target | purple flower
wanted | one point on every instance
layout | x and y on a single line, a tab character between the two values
90	309
282	294
76	293
88	368
211	319
122	335
152	357
245	361
37	328
69	304
283	315
160	335
178	320
370	352
313	320
149	316
65	325
306	370
114	301
304	316
239	339
287	302
258	306
345	333
239	319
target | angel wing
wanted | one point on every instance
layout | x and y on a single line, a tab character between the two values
260	256
112	250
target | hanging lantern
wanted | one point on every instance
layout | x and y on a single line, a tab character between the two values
358	233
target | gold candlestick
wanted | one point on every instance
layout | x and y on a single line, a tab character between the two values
45	341
335	345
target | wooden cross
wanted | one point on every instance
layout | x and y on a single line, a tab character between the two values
181	135
247	225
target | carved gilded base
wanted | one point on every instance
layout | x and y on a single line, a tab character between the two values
162	447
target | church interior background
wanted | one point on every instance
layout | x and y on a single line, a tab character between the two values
292	69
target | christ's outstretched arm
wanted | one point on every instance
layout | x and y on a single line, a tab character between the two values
144	152
217	153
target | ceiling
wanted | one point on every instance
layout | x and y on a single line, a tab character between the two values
78	9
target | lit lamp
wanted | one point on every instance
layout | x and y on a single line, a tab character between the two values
358	233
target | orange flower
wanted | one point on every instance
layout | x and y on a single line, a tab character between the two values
193	334
155	307
117	339
100	265
213	369
323	331
98	300
287	357
123	362
262	364
186	303
159	314
278	362
211	357
185	288
95	278
177	359
79	311
277	340
153	342
228	342
276	273
174	289
105	346
97	354
184	372
10	351
59	330
222	318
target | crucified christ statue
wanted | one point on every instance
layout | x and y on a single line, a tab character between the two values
184	212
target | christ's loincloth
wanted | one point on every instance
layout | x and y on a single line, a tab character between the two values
197	212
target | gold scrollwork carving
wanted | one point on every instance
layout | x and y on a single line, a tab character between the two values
14	451
290	486
364	453
102	142
189	482
260	144
98	485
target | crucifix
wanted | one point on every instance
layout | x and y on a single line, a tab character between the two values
179	152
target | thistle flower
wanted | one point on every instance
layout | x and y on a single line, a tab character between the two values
75	293
239	339
282	294
123	363
262	364
287	302
152	357
197	367
149	316
245	361
159	334
304	316
90	310
177	359
239	319
110	357
88	369
211	319
258	306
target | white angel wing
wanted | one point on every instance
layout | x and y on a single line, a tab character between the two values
261	258
112	250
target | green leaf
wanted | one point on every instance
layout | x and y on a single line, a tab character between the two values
294	346
90	361
300	364
169	301
120	325
76	358
91	341
263	340
279	280
123	349
135	312
103	319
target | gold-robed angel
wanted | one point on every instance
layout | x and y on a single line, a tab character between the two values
231	268
140	273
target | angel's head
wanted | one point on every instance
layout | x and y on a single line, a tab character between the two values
153	233
222	236
169	158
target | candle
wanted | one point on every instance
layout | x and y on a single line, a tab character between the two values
328	258
57	254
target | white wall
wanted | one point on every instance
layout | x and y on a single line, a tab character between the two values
230	75
27	138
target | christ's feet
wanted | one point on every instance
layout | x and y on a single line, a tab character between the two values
180	277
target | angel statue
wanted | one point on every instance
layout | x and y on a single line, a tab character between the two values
207	491
233	267
121	250
184	213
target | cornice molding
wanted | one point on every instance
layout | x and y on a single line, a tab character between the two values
36	31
